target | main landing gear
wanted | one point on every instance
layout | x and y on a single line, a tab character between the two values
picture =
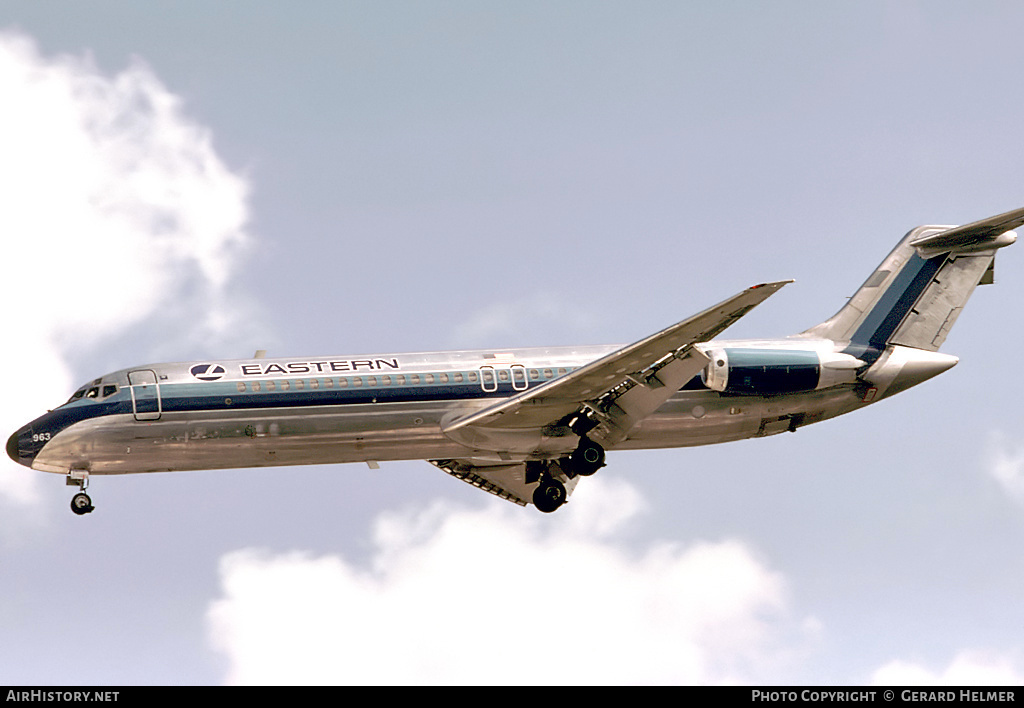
81	503
550	493
586	459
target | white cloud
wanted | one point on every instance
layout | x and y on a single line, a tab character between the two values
1006	465
116	212
503	595
968	668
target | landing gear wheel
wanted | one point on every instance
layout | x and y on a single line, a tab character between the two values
587	459
81	503
549	495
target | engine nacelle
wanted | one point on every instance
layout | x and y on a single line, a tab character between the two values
773	371
762	371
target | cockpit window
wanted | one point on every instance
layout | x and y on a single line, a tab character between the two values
94	391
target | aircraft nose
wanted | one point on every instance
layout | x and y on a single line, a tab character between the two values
16	451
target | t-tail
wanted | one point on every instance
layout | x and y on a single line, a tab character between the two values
903	312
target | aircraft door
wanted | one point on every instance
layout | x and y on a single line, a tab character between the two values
488	380
519	381
145	395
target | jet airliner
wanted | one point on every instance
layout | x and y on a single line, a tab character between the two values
528	424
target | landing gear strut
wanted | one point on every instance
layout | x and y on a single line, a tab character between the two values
81	503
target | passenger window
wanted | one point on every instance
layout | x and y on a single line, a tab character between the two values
534	375
371	380
503	374
472	376
385	380
270	386
328	383
240	386
428	378
299	385
357	381
548	374
443	378
314	383
399	380
457	377
342	383
414	378
285	385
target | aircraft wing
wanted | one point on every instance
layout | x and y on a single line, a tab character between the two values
616	391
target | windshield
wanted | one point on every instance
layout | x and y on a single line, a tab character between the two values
95	390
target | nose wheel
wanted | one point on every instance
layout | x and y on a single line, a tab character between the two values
81	503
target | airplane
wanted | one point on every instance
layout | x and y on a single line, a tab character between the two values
527	424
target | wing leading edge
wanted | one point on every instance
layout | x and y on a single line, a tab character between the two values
609	396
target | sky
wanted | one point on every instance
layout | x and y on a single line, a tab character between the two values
185	180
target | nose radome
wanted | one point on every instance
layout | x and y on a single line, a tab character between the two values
12	447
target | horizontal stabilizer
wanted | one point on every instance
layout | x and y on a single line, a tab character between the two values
976	236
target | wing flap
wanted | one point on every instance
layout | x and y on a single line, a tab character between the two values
664	360
618	412
507	481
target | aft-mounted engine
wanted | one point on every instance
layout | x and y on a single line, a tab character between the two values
773	371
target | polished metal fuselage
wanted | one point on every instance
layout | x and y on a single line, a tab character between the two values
271	412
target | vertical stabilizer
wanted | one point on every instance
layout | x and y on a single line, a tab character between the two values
915	295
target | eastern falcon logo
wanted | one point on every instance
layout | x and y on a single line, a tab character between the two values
208	372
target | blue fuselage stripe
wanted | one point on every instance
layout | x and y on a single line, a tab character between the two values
225	396
897	300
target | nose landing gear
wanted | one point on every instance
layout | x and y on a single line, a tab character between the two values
81	503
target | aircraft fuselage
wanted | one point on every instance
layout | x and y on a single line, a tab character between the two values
270	412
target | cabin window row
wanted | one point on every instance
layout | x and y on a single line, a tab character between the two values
456	377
